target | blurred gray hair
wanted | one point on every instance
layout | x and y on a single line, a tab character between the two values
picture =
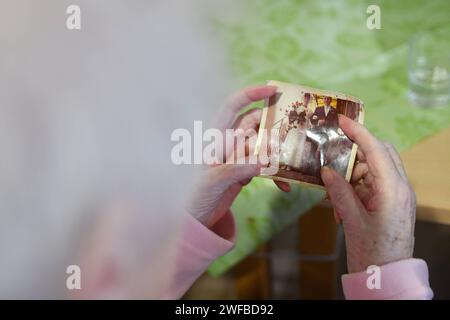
85	119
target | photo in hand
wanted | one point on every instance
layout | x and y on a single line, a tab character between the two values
309	138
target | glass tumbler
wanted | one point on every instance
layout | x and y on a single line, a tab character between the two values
429	68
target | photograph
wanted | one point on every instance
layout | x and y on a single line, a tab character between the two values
306	121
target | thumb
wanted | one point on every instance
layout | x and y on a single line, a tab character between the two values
342	196
209	193
229	174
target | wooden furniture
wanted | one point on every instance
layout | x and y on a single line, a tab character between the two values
428	168
317	238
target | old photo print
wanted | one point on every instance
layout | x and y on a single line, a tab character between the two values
306	122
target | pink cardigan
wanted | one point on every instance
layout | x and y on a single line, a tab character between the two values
199	246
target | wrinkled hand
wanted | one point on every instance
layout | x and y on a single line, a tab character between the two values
221	183
378	210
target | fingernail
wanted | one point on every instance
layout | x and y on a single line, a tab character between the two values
327	175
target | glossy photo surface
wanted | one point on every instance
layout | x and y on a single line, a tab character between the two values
306	121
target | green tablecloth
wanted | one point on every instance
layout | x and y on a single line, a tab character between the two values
325	44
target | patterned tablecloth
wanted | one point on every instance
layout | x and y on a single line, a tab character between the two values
325	44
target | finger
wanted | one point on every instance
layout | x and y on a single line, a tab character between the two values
366	142
396	159
266	146
342	196
248	120
223	176
240	144
363	193
377	156
245	130
241	100
360	157
245	182
360	171
251	142
283	186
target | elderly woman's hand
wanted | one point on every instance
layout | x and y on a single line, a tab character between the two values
378	210
221	183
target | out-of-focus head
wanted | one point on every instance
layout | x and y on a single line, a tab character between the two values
306	98
85	122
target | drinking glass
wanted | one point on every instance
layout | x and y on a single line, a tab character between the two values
429	68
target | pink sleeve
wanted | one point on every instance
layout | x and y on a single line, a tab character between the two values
405	280
198	247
